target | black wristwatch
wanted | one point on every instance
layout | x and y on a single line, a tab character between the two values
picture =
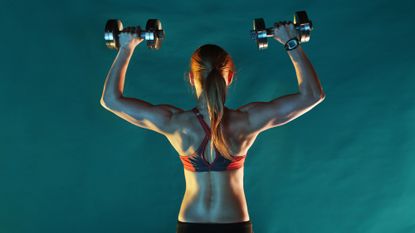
291	44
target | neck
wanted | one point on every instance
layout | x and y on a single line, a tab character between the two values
202	108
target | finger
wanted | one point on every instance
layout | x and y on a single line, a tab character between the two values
290	25
127	29
277	24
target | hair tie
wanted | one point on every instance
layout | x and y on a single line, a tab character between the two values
215	69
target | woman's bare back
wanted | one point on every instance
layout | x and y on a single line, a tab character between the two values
215	196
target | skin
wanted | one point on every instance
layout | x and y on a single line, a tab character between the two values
212	196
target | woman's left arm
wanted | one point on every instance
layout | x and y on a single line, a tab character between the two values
138	112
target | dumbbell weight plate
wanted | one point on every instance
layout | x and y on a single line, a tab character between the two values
261	33
303	25
156	33
112	29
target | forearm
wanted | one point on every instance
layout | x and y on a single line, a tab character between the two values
308	81
114	82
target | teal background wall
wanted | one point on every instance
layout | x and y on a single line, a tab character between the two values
68	165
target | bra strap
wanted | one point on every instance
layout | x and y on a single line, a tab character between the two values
201	120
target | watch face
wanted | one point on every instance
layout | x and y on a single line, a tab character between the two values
292	43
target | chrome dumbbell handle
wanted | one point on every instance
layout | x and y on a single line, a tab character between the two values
269	32
153	33
147	35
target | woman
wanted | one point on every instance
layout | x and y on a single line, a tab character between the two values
214	200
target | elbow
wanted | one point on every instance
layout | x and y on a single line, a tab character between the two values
109	99
314	95
109	103
322	96
104	103
316	99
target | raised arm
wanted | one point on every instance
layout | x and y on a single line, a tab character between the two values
138	112
265	115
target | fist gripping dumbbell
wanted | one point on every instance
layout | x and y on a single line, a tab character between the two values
301	23
154	33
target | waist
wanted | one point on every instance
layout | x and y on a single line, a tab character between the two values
229	211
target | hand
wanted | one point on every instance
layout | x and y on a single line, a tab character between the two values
283	31
129	38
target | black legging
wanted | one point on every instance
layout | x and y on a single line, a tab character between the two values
190	227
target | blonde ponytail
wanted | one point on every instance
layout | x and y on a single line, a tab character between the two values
215	87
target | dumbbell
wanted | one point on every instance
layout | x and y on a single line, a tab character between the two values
154	33
301	22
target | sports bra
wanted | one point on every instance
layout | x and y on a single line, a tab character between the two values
197	162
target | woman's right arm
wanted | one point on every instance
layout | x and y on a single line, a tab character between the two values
261	116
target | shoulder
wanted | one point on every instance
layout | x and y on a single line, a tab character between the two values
173	109
235	119
180	119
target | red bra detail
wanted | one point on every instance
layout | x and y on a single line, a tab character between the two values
197	162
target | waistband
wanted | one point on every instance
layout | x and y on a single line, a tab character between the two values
215	223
